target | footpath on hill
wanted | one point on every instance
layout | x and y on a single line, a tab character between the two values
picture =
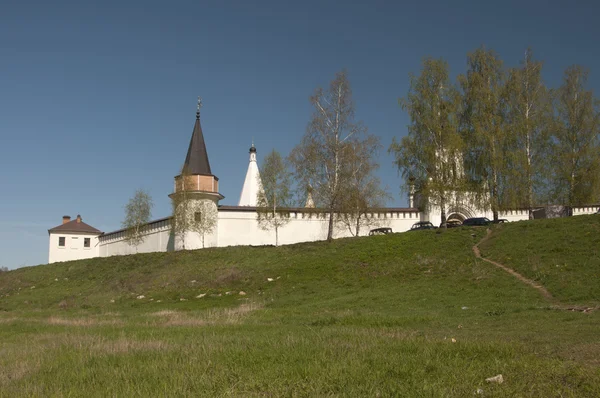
543	291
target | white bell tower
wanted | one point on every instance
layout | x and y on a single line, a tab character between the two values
252	183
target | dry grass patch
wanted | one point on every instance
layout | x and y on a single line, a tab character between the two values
212	317
85	322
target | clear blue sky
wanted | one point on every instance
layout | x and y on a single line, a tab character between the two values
98	99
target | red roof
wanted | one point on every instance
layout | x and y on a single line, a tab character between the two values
76	227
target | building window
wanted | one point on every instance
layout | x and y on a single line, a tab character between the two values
61	241
86	242
198	216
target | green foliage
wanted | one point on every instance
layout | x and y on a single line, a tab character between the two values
484	127
357	317
576	140
275	196
430	157
529	127
137	215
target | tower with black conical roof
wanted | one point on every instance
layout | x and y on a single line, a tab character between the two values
196	195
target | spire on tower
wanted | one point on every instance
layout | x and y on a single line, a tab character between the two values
196	161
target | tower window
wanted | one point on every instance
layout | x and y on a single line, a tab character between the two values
61	241
86	242
198	216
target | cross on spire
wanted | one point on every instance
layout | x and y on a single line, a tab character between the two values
198	108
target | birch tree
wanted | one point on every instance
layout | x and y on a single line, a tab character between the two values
576	148
484	127
362	194
137	215
319	159
275	197
529	125
430	156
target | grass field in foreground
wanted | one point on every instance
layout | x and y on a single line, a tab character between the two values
412	314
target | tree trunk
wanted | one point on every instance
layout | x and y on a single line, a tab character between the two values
276	236
357	224
330	229
443	215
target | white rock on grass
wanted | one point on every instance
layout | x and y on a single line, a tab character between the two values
496	379
141	296
201	295
228	293
112	301
182	299
242	293
270	279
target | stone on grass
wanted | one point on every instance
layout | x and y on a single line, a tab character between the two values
453	340
228	293
270	279
242	293
182	299
141	296
479	391
496	379
112	301
201	295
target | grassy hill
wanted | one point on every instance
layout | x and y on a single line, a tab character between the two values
412	314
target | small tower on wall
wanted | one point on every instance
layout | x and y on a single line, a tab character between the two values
196	197
252	183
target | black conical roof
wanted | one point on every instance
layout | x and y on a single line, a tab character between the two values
196	161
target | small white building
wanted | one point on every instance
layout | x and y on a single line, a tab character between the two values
73	240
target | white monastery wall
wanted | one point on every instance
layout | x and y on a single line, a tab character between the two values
73	248
158	239
577	211
240	227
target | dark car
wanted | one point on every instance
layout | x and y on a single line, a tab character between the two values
380	231
422	225
453	223
500	221
476	221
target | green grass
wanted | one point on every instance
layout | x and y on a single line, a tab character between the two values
561	254
358	317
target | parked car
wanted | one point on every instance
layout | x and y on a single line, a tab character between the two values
380	231
476	221
422	225
500	221
453	223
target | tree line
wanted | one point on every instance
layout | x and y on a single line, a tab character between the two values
499	137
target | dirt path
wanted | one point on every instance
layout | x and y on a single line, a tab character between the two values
547	295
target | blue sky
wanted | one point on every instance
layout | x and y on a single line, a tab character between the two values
98	99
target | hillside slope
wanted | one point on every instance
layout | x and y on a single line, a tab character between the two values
561	254
411	314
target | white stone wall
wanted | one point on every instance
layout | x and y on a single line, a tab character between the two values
74	247
158	239
240	228
577	211
237	228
